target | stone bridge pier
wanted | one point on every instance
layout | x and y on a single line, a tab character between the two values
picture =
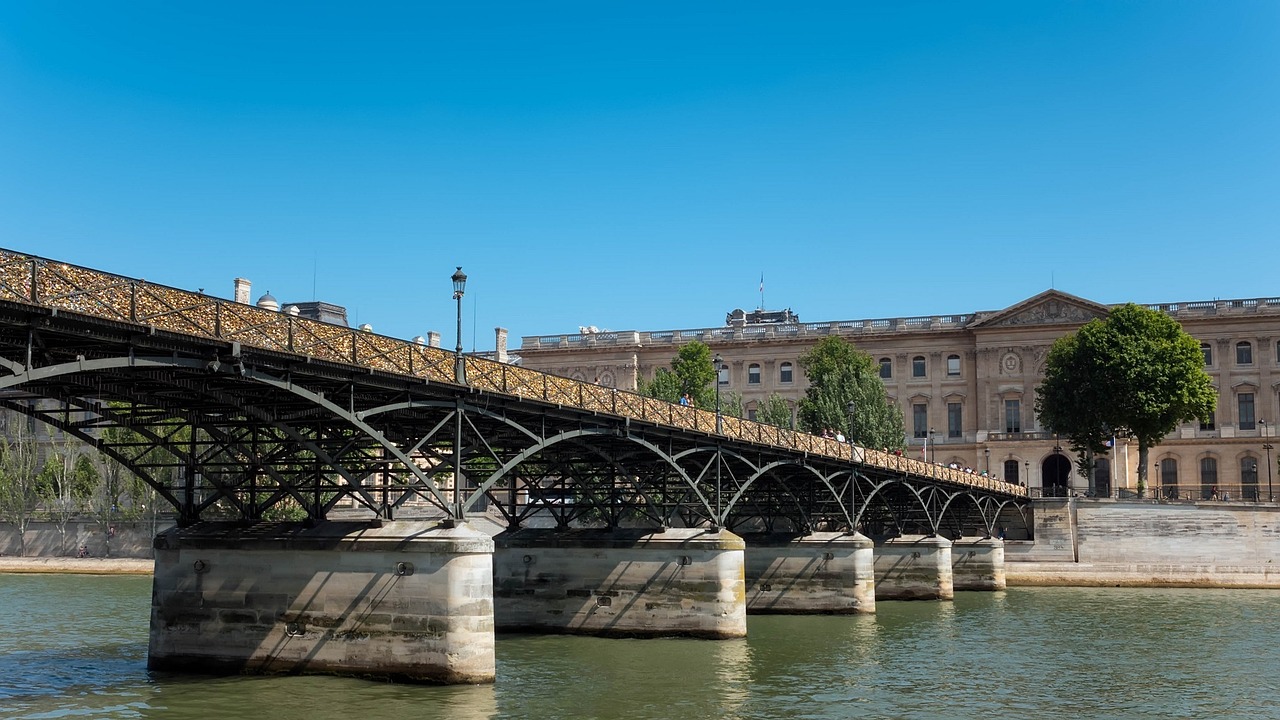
405	600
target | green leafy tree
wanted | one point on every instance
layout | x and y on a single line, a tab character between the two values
691	372
775	410
1136	373
840	374
66	484
19	477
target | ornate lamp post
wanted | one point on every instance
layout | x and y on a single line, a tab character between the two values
933	448
459	288
1267	447
986	454
1026	481
459	376
717	360
851	409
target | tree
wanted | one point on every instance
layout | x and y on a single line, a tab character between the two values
775	410
691	372
19	481
1136	373
66	483
840	374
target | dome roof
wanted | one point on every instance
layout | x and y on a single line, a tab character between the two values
268	302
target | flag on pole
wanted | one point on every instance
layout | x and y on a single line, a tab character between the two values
761	282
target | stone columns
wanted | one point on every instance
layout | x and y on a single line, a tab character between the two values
407	601
825	572
625	583
914	567
977	564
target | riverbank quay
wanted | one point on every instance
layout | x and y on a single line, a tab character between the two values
77	566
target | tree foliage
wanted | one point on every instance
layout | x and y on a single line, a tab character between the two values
1136	373
66	483
692	372
840	374
775	410
19	479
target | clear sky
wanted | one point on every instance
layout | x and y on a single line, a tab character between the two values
641	165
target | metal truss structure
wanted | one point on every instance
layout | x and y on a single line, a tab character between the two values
229	410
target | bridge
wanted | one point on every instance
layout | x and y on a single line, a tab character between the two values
280	440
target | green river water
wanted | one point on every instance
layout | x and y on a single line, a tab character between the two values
75	647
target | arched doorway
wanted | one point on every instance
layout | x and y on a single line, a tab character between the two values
1056	474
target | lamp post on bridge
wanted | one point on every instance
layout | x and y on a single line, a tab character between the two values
460	376
851	410
459	288
1268	447
717	360
933	448
986	454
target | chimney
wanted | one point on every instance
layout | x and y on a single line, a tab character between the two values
500	344
433	339
242	291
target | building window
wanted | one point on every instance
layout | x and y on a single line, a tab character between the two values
953	366
751	414
1012	416
1207	351
920	420
886	368
784	372
1208	478
722	375
1244	353
1245	401
753	374
1011	472
917	366
1249	478
1208	424
1169	478
954	426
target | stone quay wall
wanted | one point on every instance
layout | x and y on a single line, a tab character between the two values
1086	541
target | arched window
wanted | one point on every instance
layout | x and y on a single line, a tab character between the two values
753	374
1249	478
917	366
953	366
1011	472
886	368
1207	351
1169	478
1208	478
784	372
1244	353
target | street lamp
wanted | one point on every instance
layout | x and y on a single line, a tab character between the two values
986	454
933	448
718	360
459	288
1268	447
851	409
1026	480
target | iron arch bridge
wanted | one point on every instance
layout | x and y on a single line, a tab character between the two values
232	411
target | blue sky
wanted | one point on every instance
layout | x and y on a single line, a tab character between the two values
639	166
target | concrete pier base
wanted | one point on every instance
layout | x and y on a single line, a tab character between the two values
825	572
914	567
625	583
405	601
977	564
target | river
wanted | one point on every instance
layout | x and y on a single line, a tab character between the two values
74	646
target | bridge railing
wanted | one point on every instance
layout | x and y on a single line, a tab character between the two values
32	280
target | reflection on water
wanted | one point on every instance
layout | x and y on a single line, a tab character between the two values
75	647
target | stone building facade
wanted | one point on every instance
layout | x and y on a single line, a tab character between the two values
966	386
